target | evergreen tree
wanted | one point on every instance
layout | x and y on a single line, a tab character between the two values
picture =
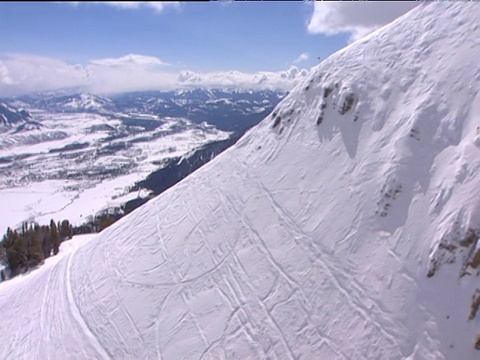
46	243
35	250
66	231
54	237
3	254
105	222
15	246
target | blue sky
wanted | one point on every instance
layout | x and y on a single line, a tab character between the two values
202	37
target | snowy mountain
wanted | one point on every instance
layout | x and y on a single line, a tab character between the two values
11	116
223	108
64	102
86	102
344	226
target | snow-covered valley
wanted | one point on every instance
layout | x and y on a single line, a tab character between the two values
78	164
83	154
346	225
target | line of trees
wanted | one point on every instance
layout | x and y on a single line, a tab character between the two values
21	251
98	223
28	247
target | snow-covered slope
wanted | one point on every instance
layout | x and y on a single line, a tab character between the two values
336	229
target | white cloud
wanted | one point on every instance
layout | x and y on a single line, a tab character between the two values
122	4
130	59
158	6
4	76
236	79
356	17
129	73
22	74
30	73
71	3
155	5
302	57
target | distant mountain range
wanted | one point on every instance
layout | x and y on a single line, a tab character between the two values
230	110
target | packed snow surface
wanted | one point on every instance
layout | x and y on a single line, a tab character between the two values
311	238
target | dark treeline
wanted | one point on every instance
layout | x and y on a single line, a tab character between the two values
28	247
25	249
97	223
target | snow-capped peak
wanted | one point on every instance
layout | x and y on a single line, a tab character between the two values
86	102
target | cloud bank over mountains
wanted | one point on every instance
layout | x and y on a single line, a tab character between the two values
22	74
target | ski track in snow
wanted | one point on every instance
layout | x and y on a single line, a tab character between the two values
342	280
77	316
